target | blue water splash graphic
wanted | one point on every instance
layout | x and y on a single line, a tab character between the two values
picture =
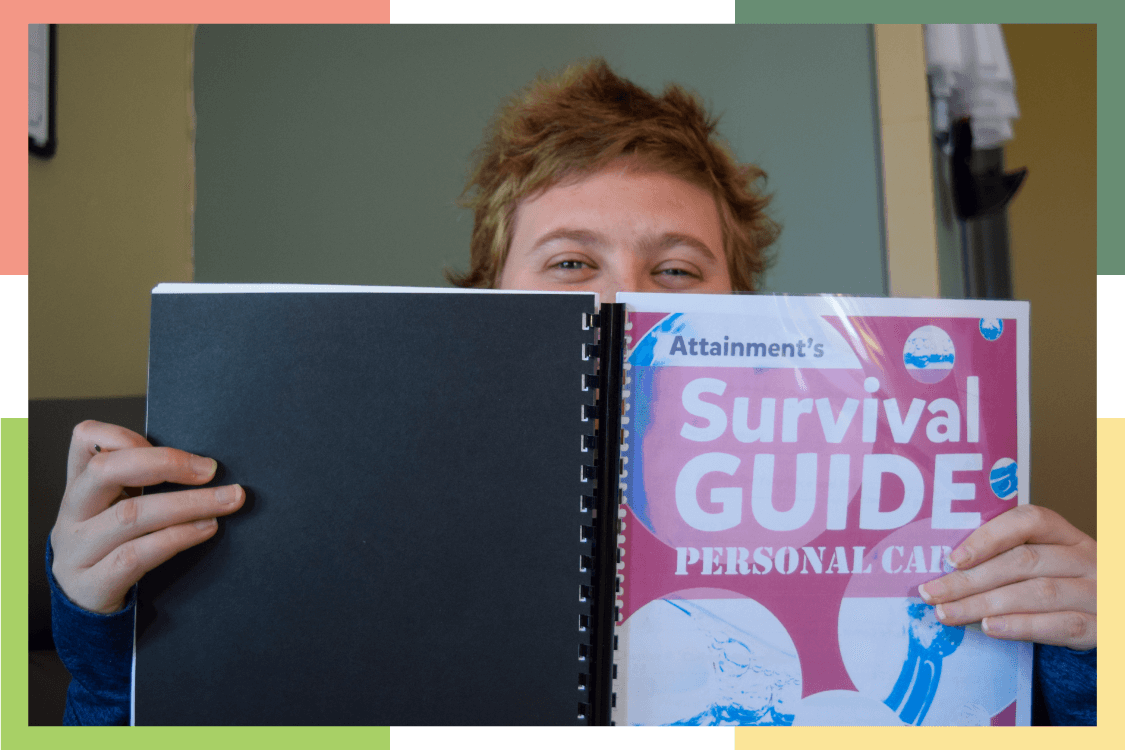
922	362
726	716
1003	480
991	328
644	351
741	676
930	642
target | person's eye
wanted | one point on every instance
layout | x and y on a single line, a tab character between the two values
571	264
677	276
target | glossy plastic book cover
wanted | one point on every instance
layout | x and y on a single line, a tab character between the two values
793	468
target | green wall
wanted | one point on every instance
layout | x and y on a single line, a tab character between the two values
109	215
336	154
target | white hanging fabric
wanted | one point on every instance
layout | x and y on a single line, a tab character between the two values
971	76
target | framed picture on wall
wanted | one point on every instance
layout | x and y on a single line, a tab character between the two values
41	88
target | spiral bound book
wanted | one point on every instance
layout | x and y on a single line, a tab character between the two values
418	541
793	469
474	507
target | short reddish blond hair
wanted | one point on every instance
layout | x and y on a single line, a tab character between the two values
576	123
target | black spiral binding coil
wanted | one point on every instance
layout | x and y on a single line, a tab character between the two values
586	532
598	534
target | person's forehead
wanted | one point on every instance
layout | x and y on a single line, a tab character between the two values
622	168
623	191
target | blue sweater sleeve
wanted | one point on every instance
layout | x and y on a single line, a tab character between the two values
1065	686
97	650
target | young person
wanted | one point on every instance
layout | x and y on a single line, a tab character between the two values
585	182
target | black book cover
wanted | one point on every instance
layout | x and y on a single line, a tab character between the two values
416	546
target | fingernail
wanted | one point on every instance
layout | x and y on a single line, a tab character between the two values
228	495
931	590
945	612
205	524
958	557
993	625
204	467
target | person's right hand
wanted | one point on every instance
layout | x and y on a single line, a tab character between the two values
104	540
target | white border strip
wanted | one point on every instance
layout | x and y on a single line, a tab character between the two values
1111	317
826	304
575	11
13	380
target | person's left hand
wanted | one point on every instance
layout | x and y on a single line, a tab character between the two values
1025	575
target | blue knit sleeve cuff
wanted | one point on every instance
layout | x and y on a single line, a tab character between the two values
97	650
1067	685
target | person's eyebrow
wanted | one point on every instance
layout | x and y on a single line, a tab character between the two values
580	236
673	239
650	245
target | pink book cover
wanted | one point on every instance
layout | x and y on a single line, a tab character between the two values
792	469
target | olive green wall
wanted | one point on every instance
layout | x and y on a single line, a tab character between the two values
1053	225
109	215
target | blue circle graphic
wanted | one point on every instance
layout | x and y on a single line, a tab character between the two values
1002	479
991	328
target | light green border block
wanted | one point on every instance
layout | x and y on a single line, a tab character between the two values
13	582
